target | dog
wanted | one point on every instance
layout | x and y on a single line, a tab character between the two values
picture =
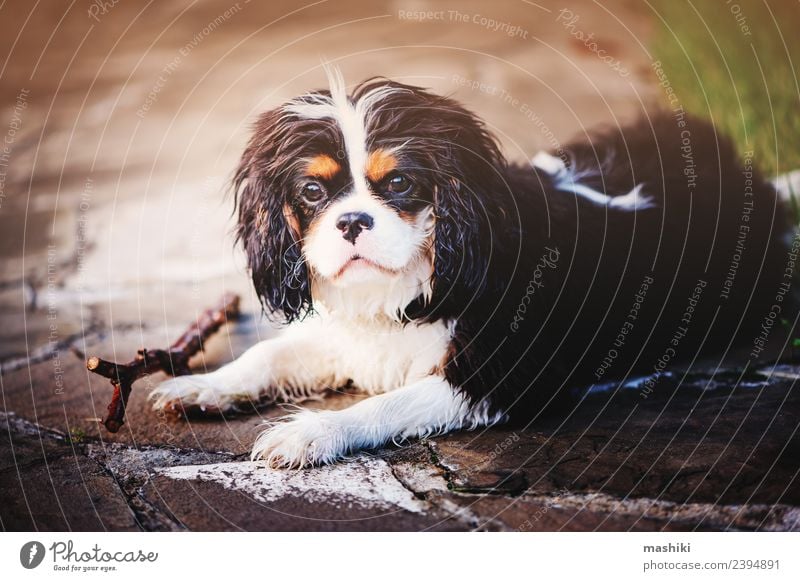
408	258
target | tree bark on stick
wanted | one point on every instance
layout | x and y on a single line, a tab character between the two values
173	360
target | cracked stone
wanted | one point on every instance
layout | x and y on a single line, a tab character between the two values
49	485
523	514
359	494
721	446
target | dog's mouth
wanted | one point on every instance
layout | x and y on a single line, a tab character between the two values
362	263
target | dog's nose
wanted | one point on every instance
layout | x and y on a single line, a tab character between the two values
352	223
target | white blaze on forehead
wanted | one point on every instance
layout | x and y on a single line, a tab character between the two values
351	118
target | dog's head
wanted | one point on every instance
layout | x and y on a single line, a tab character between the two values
368	203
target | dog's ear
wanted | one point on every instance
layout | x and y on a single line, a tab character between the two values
469	177
267	227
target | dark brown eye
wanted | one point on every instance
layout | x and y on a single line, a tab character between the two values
312	192
399	184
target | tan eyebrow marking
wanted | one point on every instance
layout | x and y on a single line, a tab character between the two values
323	166
380	163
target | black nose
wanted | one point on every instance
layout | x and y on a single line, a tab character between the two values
352	223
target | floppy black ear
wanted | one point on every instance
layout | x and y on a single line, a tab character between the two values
469	178
266	226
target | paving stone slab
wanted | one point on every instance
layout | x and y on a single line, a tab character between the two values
48	484
724	446
359	494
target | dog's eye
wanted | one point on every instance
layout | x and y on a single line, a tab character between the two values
399	184
312	192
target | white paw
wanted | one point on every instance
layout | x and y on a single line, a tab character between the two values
201	392
303	439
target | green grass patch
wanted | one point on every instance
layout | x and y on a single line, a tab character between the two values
737	63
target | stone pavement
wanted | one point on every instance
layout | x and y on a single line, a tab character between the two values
114	236
707	456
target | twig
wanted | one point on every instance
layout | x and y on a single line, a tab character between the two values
174	360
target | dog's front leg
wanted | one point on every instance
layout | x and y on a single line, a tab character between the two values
294	366
430	406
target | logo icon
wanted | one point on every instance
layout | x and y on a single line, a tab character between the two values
31	554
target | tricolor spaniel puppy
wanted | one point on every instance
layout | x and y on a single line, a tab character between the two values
458	290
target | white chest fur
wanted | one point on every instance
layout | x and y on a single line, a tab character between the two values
378	355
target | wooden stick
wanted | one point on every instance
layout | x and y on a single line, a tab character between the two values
174	360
